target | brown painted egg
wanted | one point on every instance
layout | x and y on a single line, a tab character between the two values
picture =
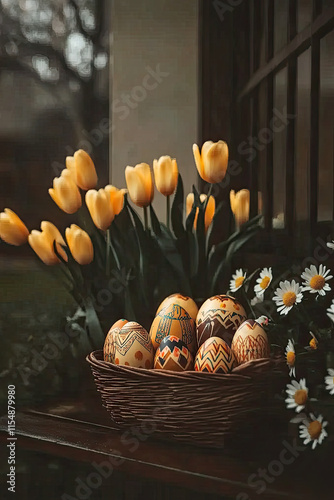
219	316
250	342
173	354
174	320
133	346
215	356
181	300
109	343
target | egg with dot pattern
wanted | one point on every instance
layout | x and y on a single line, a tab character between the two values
250	342
172	354
133	346
187	303
219	316
174	320
215	356
109	343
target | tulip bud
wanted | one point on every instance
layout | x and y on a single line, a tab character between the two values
82	169
42	242
116	197
140	184
240	205
212	162
209	211
12	229
80	244
65	192
166	175
100	208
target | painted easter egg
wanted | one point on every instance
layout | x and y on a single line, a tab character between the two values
174	320
187	303
133	346
215	356
219	316
173	354
109	343
250	342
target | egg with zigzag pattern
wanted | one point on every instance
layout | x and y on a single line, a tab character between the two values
215	356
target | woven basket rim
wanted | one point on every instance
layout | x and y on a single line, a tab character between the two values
246	371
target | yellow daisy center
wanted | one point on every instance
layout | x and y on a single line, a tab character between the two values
289	298
300	397
290	357
313	344
239	281
314	429
265	282
317	282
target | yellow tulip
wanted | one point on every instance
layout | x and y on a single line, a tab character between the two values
117	198
42	243
80	244
209	211
212	162
240	205
65	192
140	184
166	175
100	207
12	229
83	170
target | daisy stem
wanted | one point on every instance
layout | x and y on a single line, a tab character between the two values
248	302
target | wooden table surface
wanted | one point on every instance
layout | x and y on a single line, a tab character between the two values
81	430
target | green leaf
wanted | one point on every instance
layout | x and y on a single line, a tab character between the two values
93	323
155	222
177	209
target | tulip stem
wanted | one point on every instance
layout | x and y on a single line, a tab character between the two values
108	253
168	211
145	218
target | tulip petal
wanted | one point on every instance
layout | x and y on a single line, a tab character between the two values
86	176
12	230
198	161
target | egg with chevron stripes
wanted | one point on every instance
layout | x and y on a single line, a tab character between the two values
250	342
219	316
133	346
174	320
215	356
173	354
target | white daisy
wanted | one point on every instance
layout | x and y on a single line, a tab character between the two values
262	320
330	311
313	431
290	355
257	299
330	381
263	281
315	281
287	295
330	244
237	280
297	395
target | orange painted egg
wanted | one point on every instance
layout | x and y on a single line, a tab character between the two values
220	316
109	343
250	342
173	354
215	356
187	303
133	346
173	320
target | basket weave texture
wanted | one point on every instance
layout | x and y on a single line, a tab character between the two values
192	407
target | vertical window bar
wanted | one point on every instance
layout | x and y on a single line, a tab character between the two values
290	130
314	128
268	197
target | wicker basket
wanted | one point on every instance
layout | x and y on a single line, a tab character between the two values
192	407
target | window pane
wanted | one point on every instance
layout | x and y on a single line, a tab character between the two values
325	202
281	24
304	15
279	146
